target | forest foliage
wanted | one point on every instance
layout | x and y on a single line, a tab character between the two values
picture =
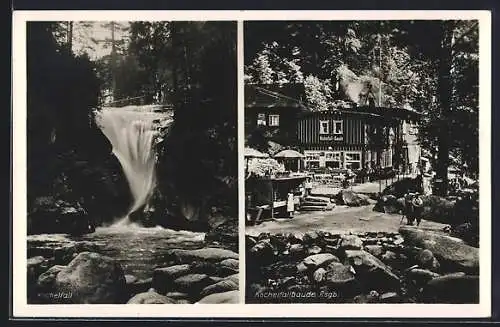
190	66
429	66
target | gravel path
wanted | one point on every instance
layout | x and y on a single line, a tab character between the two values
341	219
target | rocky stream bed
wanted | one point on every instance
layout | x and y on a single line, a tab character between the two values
411	266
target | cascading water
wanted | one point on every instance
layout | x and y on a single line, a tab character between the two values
132	131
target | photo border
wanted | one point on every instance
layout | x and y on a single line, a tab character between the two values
21	309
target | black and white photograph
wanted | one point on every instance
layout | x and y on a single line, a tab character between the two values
132	166
362	161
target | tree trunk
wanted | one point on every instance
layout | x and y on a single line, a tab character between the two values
445	94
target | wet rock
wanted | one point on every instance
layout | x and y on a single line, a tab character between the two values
230	297
427	260
375	250
301	268
452	288
192	284
91	278
372	272
164	277
150	297
317	260
351	242
453	254
314	250
204	254
225	285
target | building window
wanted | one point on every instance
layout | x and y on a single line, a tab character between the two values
352	160
324	127
261	119
338	127
274	120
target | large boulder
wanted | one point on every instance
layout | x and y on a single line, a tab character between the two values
204	254
372	272
353	199
90	278
453	254
452	288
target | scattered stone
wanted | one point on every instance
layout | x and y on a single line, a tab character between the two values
375	250
390	297
177	295
427	260
46	281
421	276
297	250
230	297
225	285
314	250
339	274
164	277
150	297
263	251
130	279
389	257
319	275
318	260
91	278
140	286
351	242
372	271
192	284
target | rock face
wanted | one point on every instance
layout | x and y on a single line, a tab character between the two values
90	278
58	216
452	253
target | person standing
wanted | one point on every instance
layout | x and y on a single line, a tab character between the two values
308	186
290	205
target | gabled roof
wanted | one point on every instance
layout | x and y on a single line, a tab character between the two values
261	97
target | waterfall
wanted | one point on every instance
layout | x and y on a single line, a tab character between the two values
132	131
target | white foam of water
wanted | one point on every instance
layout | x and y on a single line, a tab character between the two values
131	131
